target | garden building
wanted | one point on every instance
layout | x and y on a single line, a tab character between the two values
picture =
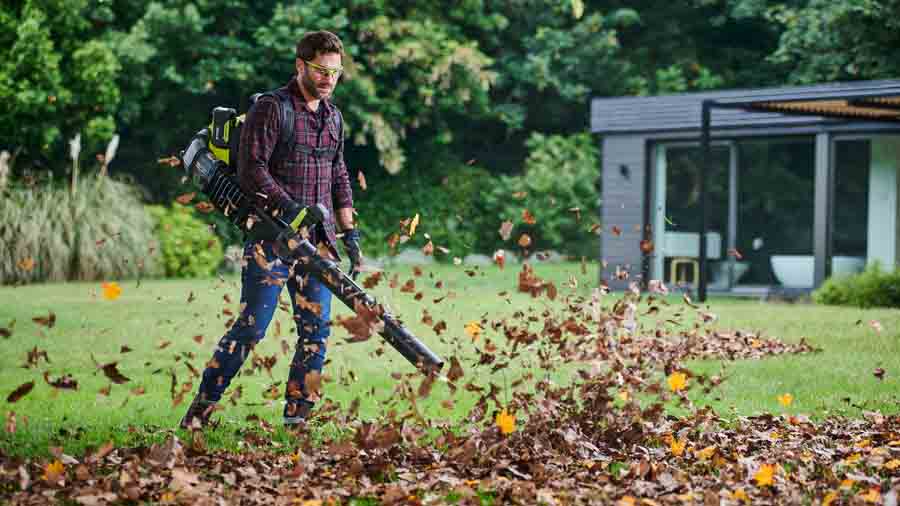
790	185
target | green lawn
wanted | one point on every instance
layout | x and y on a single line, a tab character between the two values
146	316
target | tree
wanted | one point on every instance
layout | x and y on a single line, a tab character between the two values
56	79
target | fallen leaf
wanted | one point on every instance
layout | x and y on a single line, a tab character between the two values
506	422
765	476
54	471
677	381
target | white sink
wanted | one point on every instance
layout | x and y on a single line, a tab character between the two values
796	271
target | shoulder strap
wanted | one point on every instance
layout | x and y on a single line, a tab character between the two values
286	129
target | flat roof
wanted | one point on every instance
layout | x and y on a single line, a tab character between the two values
826	104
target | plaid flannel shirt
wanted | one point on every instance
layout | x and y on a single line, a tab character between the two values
298	175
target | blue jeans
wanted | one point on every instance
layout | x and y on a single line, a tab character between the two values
260	287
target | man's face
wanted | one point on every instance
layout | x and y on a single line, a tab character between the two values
317	77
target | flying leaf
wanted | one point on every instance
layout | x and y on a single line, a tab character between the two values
616	230
506	422
413	224
186	198
111	290
112	372
500	258
204	207
677	381
20	392
506	230
26	264
765	475
473	329
876	325
525	240
48	321
361	179
785	399
528	218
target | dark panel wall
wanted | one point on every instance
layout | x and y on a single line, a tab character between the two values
622	207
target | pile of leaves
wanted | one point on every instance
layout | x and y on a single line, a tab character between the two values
604	437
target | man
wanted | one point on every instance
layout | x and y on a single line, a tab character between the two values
297	174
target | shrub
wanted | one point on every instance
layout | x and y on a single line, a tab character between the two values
445	197
560	174
873	287
188	247
102	231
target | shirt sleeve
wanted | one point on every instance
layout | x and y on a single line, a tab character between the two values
341	191
259	136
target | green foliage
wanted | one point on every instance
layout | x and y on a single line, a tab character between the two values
873	287
560	176
446	200
56	78
824	41
188	247
101	232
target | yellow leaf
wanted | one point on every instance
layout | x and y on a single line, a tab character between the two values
624	395
852	459
578	10
892	464
740	495
626	501
774	434
54	471
413	225
506	422
677	447
111	290
677	381
167	498
473	329
765	476
829	498
706	453
847	483
785	399
872	496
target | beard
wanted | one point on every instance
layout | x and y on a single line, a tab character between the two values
308	84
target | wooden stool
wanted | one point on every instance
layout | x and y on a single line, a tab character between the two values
691	263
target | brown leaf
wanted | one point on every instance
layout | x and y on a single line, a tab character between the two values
20	392
65	382
47	321
185	198
112	372
528	218
204	207
361	179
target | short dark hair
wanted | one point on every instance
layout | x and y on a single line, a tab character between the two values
314	43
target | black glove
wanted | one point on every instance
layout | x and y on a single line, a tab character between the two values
351	244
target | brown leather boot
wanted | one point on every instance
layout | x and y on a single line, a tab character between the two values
198	413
